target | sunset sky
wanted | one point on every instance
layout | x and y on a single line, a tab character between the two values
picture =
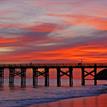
53	31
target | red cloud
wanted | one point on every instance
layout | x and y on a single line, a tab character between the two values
96	22
46	27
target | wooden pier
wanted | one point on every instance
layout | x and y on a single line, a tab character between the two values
20	70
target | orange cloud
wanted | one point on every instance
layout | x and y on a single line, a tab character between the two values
7	40
85	53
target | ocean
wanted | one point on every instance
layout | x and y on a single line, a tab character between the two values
25	97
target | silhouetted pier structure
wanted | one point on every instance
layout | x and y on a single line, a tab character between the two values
20	70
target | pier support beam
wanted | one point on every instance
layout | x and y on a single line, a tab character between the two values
46	76
23	77
95	72
1	77
58	77
35	77
83	76
37	74
11	77
86	74
70	76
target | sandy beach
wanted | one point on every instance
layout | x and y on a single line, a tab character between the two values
92	101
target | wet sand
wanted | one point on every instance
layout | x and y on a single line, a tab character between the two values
93	101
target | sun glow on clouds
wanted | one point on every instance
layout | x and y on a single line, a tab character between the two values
6	49
87	53
53	31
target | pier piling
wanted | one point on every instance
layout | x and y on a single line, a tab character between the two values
46	76
58	77
35	77
1	77
70	76
23	77
11	77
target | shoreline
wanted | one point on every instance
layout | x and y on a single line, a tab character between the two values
88	101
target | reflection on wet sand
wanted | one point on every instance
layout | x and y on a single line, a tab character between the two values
96	101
